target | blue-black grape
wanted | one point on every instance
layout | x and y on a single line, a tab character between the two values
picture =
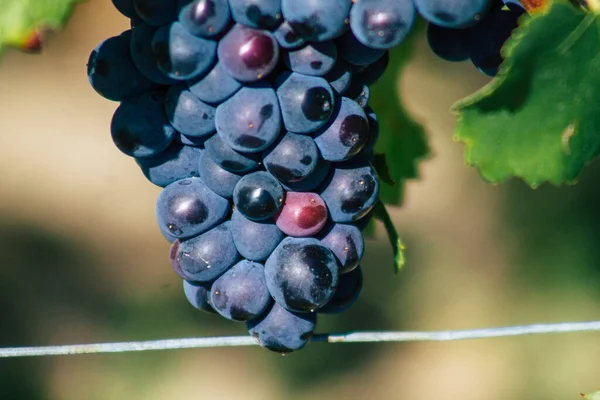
382	24
287	37
449	44
198	294
340	76
250	121
293	158
347	292
156	12
245	233
303	214
258	196
372	72
346	242
356	53
143	56
205	257
317	20
359	92
188	114
453	13
188	207
367	154
248	54
302	274
139	126
196	141
111	70
241	294
283	331
228	158
263	14
312	181
215	87
488	37
350	192
205	18
307	102
315	59
175	163
181	55
346	134
219	180
125	7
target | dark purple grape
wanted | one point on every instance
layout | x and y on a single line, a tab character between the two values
302	274
261	14
312	181
314	59
219	180
258	196
346	242
246	231
356	53
205	18
347	292
228	158
198	294
449	44
292	158
303	214
345	134
373	72
241	294
287	37
216	87
175	163
206	257
382	24
282	331
188	207
340	76
156	12
125	7
350	192
188	114
248	54
143	56
317	20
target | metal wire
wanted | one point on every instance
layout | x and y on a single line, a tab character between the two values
353	337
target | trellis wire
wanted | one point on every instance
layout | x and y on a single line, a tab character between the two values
354	337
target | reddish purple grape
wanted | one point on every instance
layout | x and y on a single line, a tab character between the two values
303	214
248	54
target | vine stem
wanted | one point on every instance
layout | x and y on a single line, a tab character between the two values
353	337
381	213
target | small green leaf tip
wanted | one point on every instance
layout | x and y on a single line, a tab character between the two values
380	212
539	120
23	22
591	396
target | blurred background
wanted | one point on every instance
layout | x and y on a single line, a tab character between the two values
82	260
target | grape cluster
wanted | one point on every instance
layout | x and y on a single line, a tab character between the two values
253	117
477	31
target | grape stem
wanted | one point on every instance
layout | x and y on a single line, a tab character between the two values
353	337
381	213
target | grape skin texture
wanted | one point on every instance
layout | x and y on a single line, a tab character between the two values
264	14
314	59
205	18
250	121
205	257
302	214
139	127
449	44
301	274
156	12
188	114
258	196
245	233
241	294
219	180
143	56
175	163
125	7
454	13
287	37
312	181
179	54
340	76
346	134
113	74
198	295
346	294
248	54
307	102
215	87
317	20
356	53
382	24
350	192
283	331
188	207
293	158
347	243
228	158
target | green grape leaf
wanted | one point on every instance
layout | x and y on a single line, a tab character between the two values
23	21
383	169
539	120
401	139
591	396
